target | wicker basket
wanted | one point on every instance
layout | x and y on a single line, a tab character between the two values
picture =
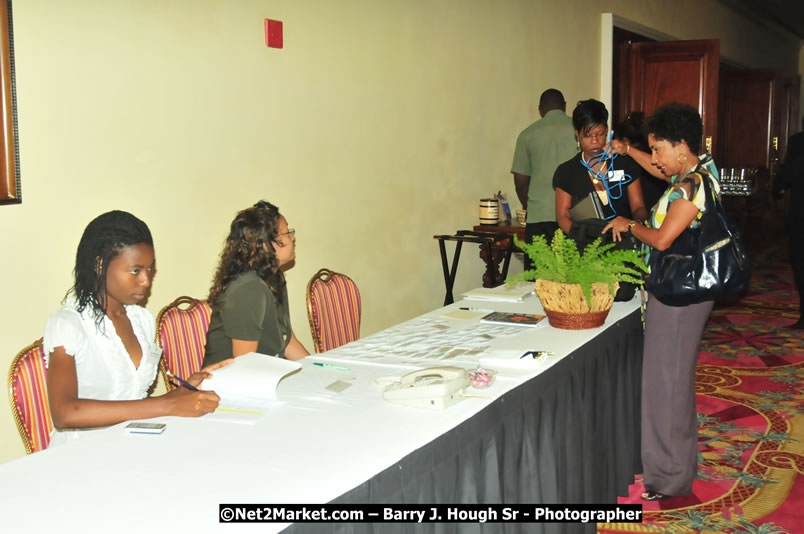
566	306
576	321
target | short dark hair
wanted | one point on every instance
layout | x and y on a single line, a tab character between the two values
102	240
631	130
676	122
588	114
552	99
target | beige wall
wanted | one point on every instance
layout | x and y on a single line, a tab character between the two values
380	124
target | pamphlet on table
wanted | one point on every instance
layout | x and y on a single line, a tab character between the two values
515	319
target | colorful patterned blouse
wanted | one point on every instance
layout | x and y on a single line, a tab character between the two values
690	187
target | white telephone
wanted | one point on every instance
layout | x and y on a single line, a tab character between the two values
435	388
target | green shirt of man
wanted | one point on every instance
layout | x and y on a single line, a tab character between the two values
540	148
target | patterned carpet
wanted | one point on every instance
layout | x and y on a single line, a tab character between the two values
750	387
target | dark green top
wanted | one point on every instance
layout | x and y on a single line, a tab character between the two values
248	310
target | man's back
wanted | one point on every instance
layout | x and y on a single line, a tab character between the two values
540	148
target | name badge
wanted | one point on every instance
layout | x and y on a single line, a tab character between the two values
616	176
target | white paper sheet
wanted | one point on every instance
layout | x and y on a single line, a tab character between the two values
250	382
235	413
431	341
504	293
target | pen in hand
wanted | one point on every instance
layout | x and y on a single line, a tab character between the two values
182	382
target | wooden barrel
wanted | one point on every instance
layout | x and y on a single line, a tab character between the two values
489	211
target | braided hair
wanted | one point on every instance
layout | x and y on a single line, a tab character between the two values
103	239
249	247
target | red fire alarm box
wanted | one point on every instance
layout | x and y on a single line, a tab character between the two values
273	33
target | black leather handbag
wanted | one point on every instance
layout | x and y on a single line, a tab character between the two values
703	263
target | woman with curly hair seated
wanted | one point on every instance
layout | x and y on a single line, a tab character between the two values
249	295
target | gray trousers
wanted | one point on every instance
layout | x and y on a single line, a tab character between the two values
669	418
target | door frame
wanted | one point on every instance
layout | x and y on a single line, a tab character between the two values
607	23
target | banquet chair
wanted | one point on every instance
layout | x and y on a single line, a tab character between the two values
333	309
27	392
181	333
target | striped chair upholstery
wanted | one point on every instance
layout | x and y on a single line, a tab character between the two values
333	308
181	332
27	391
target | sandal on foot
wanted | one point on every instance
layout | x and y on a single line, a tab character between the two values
654	496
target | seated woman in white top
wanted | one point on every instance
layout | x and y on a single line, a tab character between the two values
100	347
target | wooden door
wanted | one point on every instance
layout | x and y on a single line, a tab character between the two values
791	89
750	118
680	71
788	125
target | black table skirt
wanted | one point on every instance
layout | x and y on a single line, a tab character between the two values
569	435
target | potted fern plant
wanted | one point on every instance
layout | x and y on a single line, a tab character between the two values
577	288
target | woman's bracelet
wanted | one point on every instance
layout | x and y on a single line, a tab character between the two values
627	148
631	225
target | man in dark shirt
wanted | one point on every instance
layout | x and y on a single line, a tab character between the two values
791	177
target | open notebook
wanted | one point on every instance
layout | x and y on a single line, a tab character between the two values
248	385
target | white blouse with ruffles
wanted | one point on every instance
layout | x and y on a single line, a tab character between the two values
103	366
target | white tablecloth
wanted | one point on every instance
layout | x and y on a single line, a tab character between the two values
313	446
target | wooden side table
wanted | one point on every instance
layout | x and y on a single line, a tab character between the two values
509	227
489	243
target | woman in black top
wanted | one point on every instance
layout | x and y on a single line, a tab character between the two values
573	181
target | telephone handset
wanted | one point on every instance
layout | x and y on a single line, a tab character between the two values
435	387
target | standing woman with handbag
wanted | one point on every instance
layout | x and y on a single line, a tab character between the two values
672	333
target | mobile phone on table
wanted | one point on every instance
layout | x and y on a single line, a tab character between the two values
145	428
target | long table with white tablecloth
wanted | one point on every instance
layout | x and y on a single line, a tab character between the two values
561	429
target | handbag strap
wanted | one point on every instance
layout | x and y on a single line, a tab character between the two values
711	201
709	192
